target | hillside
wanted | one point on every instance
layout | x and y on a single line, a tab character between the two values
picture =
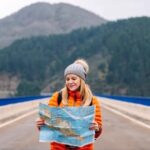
118	54
43	19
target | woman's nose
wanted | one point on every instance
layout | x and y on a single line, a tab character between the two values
70	81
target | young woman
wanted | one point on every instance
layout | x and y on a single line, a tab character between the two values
76	93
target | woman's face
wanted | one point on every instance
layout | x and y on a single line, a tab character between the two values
72	82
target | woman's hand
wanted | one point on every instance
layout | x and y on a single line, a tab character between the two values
94	126
40	122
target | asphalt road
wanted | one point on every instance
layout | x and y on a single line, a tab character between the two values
118	134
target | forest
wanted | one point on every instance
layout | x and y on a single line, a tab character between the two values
118	54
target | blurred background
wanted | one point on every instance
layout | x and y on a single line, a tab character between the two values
39	39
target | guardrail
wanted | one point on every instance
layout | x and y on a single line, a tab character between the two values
138	100
6	101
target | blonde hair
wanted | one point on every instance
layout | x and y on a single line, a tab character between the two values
85	90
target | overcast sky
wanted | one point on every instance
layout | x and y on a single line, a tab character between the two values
108	9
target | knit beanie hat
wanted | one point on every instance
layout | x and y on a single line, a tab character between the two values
79	68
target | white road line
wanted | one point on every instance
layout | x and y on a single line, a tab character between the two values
128	117
18	118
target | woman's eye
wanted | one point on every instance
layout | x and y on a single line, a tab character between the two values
73	78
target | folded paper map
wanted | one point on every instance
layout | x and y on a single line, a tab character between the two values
67	125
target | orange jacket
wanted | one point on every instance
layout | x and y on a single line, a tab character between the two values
72	101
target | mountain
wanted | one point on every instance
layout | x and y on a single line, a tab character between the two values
44	19
118	54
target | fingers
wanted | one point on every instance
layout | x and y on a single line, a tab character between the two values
39	119
39	122
94	126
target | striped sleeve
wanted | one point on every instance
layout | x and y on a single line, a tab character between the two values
98	116
53	100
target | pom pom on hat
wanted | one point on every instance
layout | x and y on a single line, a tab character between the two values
83	63
80	68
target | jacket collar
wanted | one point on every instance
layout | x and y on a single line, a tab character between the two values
74	94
